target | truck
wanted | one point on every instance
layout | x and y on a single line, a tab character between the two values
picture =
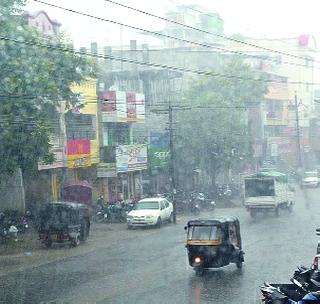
267	191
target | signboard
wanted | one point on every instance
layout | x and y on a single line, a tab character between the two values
113	105
78	153
257	148
274	150
159	149
59	160
131	158
119	106
131	107
106	170
140	107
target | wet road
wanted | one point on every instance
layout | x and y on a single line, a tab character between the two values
150	266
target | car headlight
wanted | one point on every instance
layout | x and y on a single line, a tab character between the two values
129	217
149	216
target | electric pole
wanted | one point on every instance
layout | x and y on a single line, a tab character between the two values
173	185
298	131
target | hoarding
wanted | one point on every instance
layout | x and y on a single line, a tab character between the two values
113	105
159	149
131	158
106	170
78	153
119	106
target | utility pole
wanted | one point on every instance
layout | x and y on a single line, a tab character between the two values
298	131
173	185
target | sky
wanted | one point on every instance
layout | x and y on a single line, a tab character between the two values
272	18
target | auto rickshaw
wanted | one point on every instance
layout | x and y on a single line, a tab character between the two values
64	222
214	243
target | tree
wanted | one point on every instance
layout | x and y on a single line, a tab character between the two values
34	79
212	132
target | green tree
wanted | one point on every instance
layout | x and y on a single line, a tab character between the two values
34	79
212	132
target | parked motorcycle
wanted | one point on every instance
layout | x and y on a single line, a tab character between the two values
304	288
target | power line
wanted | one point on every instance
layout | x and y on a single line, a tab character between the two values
243	42
169	36
156	65
210	33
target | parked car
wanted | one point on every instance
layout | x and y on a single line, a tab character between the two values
150	212
310	179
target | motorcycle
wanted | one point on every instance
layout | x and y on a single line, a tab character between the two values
303	288
102	215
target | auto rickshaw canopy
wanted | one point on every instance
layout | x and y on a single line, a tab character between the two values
214	231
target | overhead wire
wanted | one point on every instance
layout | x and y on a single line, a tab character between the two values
156	65
214	34
166	35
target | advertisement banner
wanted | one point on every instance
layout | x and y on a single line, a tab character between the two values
78	153
107	170
131	107
131	158
159	149
140	107
113	105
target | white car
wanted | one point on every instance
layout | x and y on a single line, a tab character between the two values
310	179
150	212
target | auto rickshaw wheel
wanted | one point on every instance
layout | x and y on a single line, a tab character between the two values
239	264
199	271
75	242
84	232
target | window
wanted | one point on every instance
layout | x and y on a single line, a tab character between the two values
167	204
204	233
116	134
80	126
274	109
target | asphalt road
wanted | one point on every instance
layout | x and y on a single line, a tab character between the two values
150	265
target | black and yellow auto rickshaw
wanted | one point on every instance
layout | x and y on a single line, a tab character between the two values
64	222
214	243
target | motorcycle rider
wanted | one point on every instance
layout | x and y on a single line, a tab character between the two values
312	297
101	202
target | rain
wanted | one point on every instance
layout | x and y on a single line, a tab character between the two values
159	152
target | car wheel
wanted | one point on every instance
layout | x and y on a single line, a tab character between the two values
277	211
48	243
159	222
253	213
171	218
129	227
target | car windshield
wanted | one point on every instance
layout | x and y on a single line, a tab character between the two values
146	206
204	233
310	174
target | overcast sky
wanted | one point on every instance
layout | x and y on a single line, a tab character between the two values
272	18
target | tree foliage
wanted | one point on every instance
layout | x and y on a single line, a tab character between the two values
212	132
34	79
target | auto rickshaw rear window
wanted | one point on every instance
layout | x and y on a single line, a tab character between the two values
204	233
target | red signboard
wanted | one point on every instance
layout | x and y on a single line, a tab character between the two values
78	146
131	105
108	101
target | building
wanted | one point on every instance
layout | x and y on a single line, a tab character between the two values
42	23
121	160
289	64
